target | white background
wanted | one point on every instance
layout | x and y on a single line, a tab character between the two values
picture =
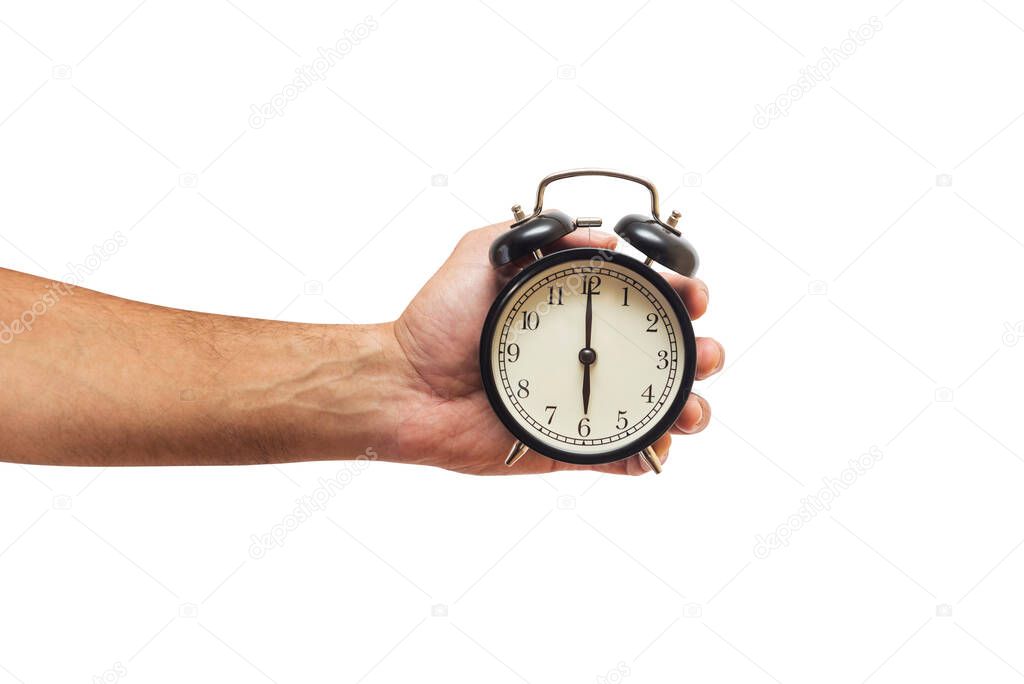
863	254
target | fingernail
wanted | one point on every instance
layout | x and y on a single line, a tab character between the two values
705	413
702	420
721	357
707	293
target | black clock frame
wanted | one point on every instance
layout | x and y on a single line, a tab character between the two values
687	375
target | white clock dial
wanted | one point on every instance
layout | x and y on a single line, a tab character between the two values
540	356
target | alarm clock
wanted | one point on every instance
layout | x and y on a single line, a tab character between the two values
588	355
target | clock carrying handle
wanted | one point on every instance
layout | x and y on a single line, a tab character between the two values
658	240
607	173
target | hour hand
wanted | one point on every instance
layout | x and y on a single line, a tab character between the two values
587	358
586	388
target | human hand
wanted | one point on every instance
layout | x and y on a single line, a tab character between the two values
445	419
172	387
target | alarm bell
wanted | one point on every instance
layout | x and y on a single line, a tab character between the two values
649	237
530	236
658	240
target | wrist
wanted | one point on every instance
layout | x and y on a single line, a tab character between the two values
352	400
328	392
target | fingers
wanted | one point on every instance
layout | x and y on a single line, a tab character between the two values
710	357
694	417
693	292
483	237
636	465
584	237
474	246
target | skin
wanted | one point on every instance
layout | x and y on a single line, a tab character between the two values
91	379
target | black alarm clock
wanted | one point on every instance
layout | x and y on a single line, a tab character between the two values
588	355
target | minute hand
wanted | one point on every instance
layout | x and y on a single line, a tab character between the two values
586	366
590	315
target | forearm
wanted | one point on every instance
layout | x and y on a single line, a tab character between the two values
90	379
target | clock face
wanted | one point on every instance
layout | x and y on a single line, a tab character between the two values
588	356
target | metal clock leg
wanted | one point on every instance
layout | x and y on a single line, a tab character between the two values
650	456
517	451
